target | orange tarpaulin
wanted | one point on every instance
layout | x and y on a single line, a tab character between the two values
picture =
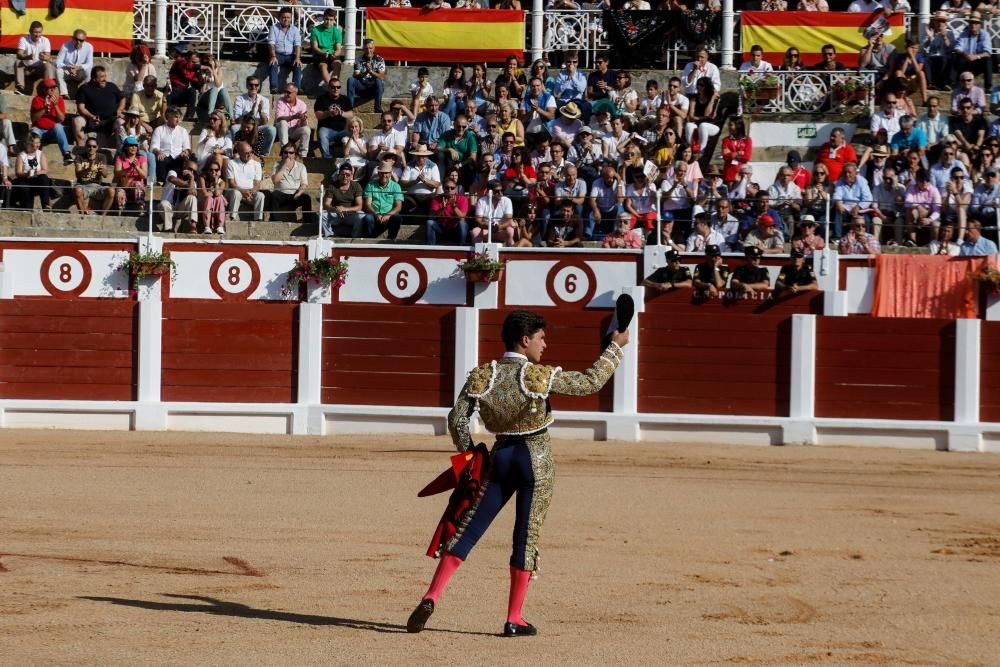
931	286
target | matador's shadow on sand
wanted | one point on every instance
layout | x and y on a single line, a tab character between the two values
224	608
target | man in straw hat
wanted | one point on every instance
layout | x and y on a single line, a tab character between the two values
973	51
568	124
938	47
421	180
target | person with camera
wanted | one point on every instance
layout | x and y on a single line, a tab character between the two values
180	194
48	111
369	76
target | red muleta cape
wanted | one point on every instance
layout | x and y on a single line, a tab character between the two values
467	484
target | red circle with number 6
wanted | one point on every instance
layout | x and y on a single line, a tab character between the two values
571	283
402	282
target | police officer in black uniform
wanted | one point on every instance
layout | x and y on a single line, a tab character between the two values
751	275
711	275
797	276
670	276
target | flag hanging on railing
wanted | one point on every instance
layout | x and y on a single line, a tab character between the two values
446	35
809	31
108	24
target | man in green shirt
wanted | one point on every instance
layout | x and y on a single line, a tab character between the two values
458	148
383	202
326	41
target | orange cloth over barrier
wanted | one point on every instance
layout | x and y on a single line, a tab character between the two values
930	286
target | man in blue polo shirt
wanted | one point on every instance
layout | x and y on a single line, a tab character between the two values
909	136
975	244
285	43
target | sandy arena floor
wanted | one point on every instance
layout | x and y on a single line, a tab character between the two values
181	549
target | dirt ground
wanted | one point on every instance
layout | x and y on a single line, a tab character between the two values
191	549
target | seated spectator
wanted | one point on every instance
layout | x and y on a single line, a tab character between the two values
248	132
383	202
703	235
985	198
888	118
290	116
214	94
671	276
284	41
151	103
879	148
453	94
140	66
565	227
605	201
567	125
852	196
800	175
212	199
856	241
909	137
877	55
750	276
835	153
712	274
975	244
923	205
937	48
512	78
343	204
698	68
624	97
940	172
712	187
797	276
737	150
703	115
420	181
640	201
972	51
887	204
256	105
214	143
243	177
494	217
171	144
431	124
909	70
530	228
368	78
601	81
623	236
31	176
420	89
587	155
291	185
955	199
91	170
48	111
829	63
786	197
934	124
459	148
326	43
333	111
180	194
33	58
100	105
131	173
968	127
806	240
756	67
677	197
572	188
6	129
74	62
448	211
945	244
184	81
726	224
571	85
765	235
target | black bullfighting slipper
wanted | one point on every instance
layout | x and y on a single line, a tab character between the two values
419	616
515	630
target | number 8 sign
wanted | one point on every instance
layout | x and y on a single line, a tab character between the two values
66	273
571	283
403	281
234	276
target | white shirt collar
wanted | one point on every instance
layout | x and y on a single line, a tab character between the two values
514	355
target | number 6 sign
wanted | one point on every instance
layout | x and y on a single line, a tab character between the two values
66	273
402	281
571	283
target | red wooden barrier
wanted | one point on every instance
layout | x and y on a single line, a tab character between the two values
989	372
574	339
68	349
885	368
230	352
376	354
718	356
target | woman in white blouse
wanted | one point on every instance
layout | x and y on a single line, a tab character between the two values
214	141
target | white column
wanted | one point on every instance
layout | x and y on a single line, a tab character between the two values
310	352
350	34
923	18
728	33
161	29
537	29
802	387
653	258
466	344
966	436
150	415
623	424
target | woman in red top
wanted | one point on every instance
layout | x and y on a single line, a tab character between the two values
736	150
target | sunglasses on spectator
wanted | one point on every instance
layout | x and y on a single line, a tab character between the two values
334	87
793	55
253	85
829	53
966	106
449	188
91	145
288	152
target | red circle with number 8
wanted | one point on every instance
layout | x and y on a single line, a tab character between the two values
234	276
66	273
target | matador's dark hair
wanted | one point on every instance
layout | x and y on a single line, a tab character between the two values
519	323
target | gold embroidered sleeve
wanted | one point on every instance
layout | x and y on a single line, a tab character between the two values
590	381
458	420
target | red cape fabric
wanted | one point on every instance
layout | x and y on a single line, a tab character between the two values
925	286
463	498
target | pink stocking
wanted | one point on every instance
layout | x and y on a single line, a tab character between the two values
518	590
445	569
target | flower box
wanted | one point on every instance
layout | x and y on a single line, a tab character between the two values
483	275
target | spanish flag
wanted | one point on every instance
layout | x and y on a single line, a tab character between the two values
108	24
446	35
809	31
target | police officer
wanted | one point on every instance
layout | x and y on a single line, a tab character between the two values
711	275
670	276
797	276
751	275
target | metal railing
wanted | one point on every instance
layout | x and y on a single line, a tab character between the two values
807	91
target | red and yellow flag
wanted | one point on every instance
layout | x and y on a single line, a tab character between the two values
809	31
108	24
446	35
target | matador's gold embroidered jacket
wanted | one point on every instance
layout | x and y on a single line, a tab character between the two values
510	394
